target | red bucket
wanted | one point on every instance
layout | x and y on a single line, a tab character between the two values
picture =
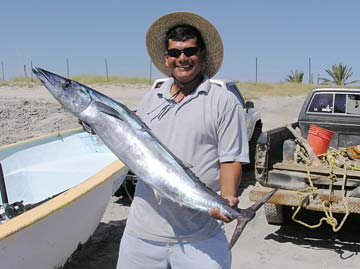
319	139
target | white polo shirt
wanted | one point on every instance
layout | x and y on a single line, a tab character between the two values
206	128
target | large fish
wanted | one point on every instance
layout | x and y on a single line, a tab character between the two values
134	144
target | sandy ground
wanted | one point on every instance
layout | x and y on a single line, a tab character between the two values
30	112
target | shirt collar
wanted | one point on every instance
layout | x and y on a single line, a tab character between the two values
164	90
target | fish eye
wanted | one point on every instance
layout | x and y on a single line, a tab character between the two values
67	84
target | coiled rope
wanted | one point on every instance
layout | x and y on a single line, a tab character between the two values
304	198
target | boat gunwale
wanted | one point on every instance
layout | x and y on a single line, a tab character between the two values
8	150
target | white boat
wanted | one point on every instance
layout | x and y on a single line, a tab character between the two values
82	174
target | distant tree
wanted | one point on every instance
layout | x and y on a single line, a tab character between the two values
295	77
339	74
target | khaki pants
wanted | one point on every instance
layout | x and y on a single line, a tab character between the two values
210	253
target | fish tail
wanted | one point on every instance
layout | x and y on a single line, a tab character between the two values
246	215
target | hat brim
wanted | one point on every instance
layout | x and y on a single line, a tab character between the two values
155	40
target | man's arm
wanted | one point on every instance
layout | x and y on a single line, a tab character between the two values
230	175
233	150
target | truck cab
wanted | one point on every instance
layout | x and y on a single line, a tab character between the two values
334	109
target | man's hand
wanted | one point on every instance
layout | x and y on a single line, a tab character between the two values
230	174
215	212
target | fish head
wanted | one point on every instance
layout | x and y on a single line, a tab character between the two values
72	95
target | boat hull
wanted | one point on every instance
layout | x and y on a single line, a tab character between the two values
47	235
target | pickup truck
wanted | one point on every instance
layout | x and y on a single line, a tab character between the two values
331	185
252	114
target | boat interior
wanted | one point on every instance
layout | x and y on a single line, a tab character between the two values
39	169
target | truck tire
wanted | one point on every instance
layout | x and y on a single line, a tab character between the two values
274	214
128	187
252	143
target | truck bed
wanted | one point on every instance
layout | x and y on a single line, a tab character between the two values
309	184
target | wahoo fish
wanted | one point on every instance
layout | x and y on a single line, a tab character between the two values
124	133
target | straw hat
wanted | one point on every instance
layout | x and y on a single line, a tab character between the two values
155	40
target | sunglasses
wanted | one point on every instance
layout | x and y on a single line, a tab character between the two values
188	52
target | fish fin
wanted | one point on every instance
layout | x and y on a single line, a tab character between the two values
263	200
86	127
246	215
145	129
187	165
108	110
158	196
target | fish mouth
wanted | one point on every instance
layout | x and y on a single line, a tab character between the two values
40	74
46	76
51	81
43	75
70	94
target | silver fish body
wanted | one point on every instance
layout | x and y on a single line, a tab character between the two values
134	144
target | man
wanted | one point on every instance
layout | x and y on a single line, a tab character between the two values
204	126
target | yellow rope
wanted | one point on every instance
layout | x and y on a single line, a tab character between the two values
329	218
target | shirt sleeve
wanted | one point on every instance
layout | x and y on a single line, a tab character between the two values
233	145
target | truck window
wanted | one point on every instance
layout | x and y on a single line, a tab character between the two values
234	90
337	103
340	103
321	103
353	104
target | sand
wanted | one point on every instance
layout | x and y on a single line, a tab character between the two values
30	112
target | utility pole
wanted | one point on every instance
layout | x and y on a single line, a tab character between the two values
310	76
256	70
107	72
31	71
25	73
3	71
67	67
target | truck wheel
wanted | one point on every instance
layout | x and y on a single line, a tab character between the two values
252	143
274	214
128	186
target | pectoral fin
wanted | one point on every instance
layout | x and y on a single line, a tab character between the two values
108	110
86	127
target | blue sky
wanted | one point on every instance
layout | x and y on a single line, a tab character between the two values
282	35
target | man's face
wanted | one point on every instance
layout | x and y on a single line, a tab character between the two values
184	68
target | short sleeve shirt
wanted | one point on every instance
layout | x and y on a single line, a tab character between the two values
205	129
